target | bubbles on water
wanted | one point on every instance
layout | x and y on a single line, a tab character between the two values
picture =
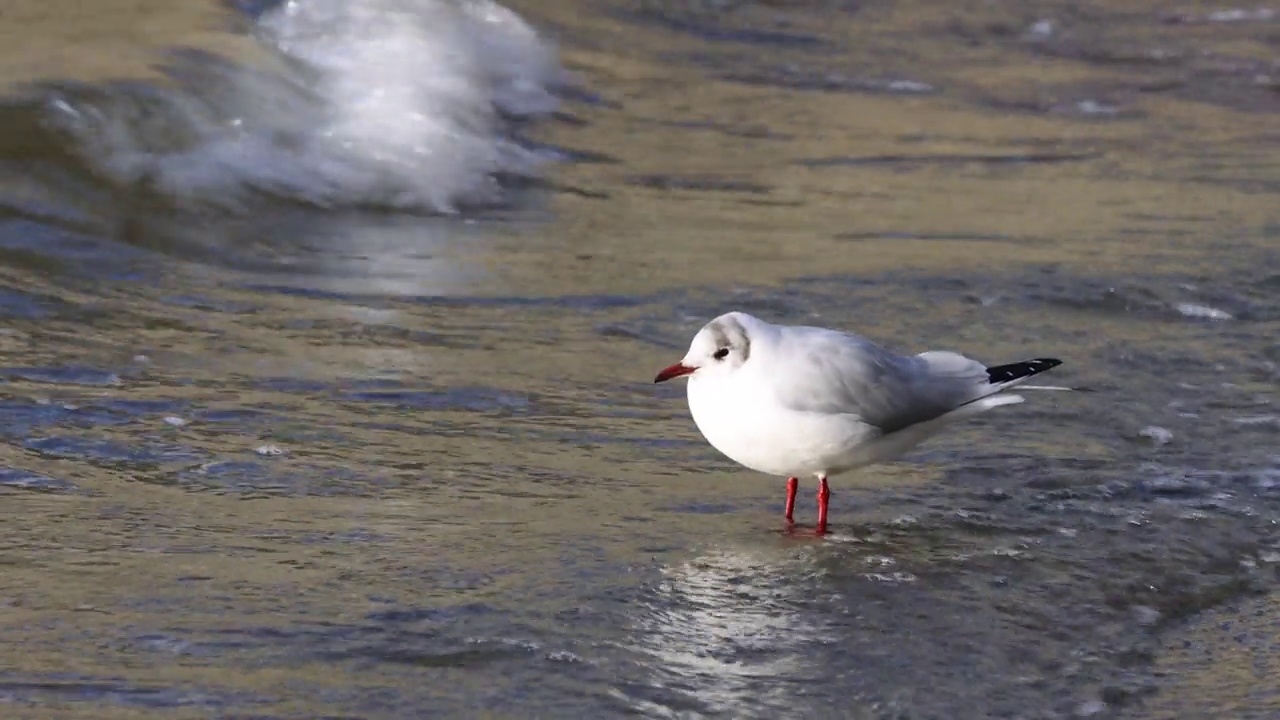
1193	310
1145	615
25	480
1091	708
895	578
46	689
138	456
1095	107
1240	15
1260	422
63	375
1156	434
1041	29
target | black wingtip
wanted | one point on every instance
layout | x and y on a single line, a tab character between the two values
1026	368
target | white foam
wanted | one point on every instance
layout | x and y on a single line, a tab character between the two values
1193	310
412	90
393	103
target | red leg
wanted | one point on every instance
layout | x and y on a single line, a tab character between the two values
793	484
824	494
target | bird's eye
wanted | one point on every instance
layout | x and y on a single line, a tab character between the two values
721	354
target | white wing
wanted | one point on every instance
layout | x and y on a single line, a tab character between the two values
840	373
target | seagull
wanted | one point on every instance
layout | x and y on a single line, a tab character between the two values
793	401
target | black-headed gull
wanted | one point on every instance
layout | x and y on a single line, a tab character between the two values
792	401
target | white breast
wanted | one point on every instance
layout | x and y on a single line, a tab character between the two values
743	420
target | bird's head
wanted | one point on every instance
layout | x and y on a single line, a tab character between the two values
719	348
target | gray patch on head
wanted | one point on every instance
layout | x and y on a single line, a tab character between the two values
728	332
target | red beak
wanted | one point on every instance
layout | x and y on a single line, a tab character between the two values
674	371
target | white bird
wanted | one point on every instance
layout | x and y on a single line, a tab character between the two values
792	401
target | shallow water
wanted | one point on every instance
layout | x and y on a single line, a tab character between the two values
328	344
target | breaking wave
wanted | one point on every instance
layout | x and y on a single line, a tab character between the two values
399	104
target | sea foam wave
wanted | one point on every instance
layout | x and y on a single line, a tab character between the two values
405	104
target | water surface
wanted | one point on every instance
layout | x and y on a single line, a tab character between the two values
329	331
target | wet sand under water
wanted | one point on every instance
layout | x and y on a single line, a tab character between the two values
109	40
481	503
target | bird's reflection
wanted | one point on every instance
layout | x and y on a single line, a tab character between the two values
729	629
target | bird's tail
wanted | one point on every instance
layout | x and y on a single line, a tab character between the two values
1006	376
1003	377
999	379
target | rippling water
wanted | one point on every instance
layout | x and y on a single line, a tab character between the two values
328	340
